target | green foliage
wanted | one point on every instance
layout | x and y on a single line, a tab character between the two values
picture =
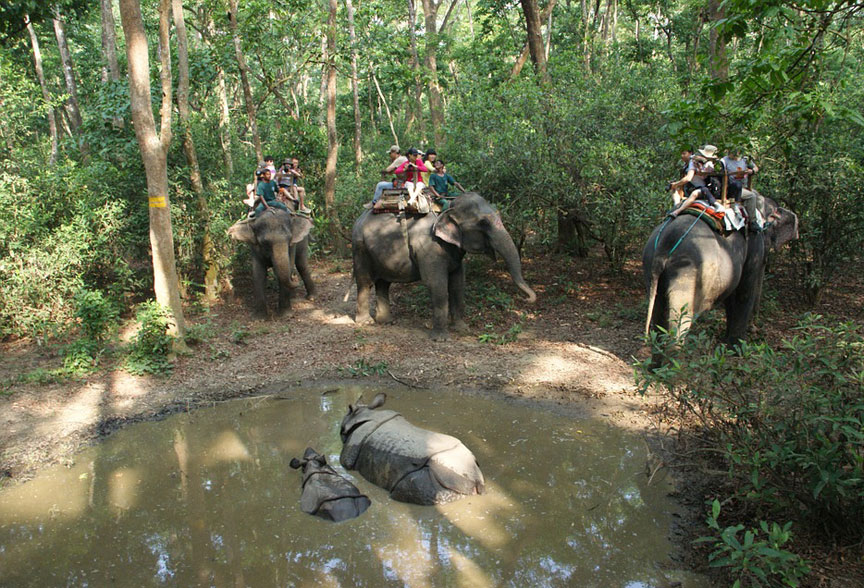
364	368
788	421
508	336
149	351
757	557
95	313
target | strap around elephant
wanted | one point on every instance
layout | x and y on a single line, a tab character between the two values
686	232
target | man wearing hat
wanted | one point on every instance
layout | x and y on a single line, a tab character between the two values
395	161
694	183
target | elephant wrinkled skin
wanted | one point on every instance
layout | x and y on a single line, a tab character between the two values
277	239
708	268
429	248
413	464
326	494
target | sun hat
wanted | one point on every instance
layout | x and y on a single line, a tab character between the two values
394	148
708	151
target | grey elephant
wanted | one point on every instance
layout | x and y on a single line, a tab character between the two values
277	239
429	248
326	494
689	268
412	464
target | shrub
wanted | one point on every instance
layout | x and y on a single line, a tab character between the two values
789	422
149	352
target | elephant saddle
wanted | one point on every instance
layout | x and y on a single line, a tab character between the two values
713	218
396	201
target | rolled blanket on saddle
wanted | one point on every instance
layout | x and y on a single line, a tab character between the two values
396	201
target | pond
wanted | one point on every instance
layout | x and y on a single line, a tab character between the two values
207	499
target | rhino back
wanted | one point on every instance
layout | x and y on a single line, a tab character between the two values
322	488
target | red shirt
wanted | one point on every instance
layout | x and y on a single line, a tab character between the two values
413	174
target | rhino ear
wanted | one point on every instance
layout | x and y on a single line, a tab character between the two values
296	463
309	454
378	401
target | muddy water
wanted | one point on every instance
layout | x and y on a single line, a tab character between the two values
208	499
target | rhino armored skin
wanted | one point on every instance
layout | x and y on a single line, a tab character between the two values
326	494
413	464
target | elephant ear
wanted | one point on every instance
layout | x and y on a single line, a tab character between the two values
300	227
242	231
447	229
783	228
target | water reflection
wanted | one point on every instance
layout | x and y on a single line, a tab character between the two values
208	499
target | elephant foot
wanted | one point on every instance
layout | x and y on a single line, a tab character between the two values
460	327
384	319
439	336
310	296
363	320
259	313
283	312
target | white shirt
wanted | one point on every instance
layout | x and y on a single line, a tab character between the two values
697	180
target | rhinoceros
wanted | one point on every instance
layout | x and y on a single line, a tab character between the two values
326	494
413	464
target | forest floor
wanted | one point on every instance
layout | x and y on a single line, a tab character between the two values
574	347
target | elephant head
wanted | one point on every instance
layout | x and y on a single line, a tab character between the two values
271	226
474	226
781	225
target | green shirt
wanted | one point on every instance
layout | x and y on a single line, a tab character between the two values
440	183
267	190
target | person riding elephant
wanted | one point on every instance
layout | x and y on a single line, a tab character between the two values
387	249
690	268
277	239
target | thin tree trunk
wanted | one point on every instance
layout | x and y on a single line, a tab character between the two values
358	149
412	111
69	76
154	151
110	68
523	57
386	109
322	93
222	93
718	64
46	95
436	108
535	40
244	80
332	139
211	271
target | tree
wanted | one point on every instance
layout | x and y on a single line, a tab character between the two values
332	139
244	80
358	148
535	39
154	150
211	273
72	107
46	96
110	68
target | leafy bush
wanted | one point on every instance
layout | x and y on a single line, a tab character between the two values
148	353
757	558
788	421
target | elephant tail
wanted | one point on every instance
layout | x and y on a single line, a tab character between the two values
657	267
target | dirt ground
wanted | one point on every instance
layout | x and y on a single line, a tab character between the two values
574	347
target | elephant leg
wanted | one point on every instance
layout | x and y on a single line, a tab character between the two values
259	284
740	308
382	302
302	261
364	288
282	268
434	275
681	308
292	260
456	298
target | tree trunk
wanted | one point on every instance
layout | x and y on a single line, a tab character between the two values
46	96
221	92
386	109
523	57
154	151
110	69
244	81
412	110
69	76
535	39
358	149
211	271
718	64
436	108
322	93
332	140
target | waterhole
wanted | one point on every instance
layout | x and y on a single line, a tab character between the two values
207	499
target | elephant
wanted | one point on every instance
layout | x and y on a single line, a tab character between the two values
277	239
689	268
412	464
326	494
387	248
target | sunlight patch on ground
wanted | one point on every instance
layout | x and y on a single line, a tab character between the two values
586	367
123	489
227	447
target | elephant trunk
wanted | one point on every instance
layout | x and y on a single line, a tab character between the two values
504	246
